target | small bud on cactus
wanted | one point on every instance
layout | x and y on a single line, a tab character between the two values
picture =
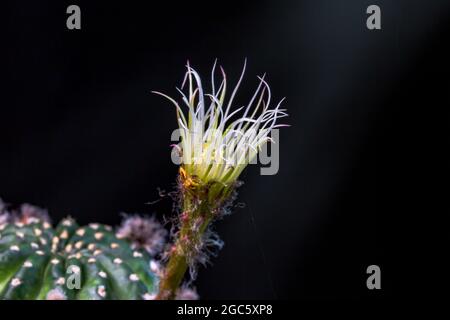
185	293
145	233
4	215
28	213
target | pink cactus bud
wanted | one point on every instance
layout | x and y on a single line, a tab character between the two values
143	232
185	293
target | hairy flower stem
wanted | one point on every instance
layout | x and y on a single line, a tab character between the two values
200	206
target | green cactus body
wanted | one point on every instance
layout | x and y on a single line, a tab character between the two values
38	262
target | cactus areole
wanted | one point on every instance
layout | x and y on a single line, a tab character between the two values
69	262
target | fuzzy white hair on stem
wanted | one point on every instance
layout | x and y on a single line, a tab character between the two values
218	140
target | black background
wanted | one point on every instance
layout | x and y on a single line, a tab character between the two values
82	135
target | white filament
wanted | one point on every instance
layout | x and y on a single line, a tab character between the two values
217	143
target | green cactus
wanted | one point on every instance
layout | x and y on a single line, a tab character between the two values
39	262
